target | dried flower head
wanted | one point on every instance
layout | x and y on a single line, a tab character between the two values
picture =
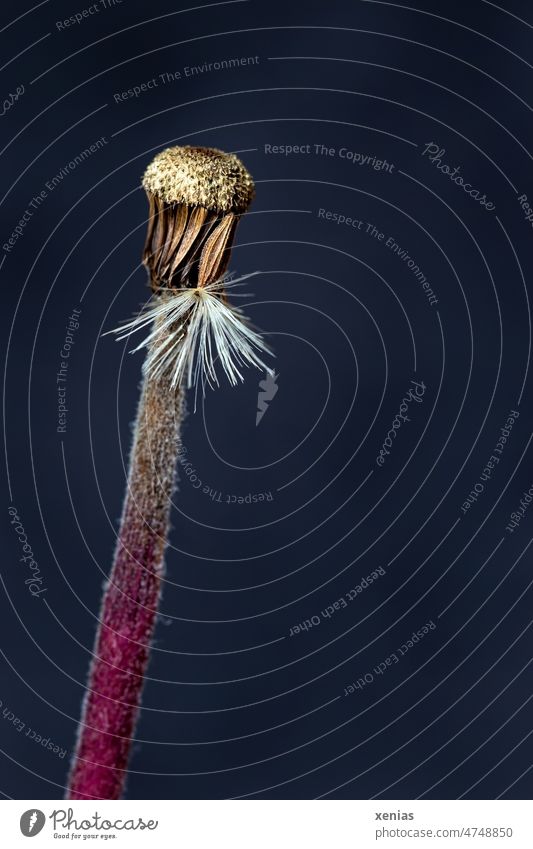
196	197
200	176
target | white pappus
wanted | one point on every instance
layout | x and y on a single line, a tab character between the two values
193	327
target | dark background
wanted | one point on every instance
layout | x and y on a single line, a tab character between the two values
234	706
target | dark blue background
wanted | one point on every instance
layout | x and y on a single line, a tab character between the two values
234	706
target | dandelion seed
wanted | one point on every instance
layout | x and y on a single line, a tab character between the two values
191	330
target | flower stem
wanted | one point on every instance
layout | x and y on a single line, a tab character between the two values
131	600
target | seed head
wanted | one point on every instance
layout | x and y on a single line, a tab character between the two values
200	176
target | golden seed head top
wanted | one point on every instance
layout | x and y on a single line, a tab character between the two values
200	176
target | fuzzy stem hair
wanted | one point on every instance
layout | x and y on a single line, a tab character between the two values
131	600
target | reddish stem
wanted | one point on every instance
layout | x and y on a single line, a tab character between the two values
130	603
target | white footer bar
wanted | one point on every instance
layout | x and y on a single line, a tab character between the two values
269	824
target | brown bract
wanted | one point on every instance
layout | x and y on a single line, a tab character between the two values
196	196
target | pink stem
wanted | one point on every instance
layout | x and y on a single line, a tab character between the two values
130	603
